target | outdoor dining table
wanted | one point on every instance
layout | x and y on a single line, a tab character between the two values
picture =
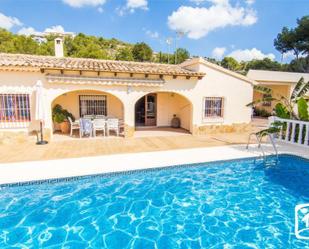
92	120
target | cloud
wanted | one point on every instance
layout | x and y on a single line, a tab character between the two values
137	4
55	29
218	52
100	10
131	6
8	22
198	2
288	55
27	31
31	31
152	34
250	2
250	54
82	3
197	22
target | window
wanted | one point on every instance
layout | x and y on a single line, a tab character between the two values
266	103
92	105
14	108
213	107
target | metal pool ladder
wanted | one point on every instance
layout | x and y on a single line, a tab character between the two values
259	139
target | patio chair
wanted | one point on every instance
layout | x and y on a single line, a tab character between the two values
86	127
113	125
73	126
88	116
99	125
100	117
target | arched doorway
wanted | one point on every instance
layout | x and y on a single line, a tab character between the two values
90	102
145	110
158	109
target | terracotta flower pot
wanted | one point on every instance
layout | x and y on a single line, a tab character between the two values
65	127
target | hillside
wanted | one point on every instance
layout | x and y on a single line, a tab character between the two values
86	46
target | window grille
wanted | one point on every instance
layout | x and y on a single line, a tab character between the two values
213	107
14	110
92	105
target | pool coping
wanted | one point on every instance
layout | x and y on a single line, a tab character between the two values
146	170
76	167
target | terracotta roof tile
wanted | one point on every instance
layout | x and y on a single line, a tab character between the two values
51	62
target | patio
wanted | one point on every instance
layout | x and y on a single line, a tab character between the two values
66	147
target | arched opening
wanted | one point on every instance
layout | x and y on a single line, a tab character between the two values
81	103
158	110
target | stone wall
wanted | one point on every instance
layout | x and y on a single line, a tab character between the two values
213	129
128	131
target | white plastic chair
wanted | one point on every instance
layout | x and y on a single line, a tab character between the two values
88	116
113	125
73	126
100	117
99	125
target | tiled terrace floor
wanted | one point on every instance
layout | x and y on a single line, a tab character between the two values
86	147
145	140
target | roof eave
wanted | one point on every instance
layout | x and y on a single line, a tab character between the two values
202	61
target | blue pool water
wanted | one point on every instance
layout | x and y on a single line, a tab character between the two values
235	204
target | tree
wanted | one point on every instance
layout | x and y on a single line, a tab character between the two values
213	60
298	93
265	64
181	55
142	52
302	33
124	54
230	63
287	41
162	57
294	39
299	65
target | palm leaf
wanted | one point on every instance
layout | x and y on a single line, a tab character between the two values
265	99
263	89
304	90
297	88
274	128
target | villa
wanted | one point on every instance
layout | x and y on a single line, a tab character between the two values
204	96
160	192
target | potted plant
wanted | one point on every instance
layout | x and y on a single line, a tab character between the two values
60	117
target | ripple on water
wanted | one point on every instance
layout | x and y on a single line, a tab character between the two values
236	204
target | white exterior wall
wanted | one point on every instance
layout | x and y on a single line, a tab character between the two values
236	93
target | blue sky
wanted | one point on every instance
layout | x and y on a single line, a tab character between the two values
213	28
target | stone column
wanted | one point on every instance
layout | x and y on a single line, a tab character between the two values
129	122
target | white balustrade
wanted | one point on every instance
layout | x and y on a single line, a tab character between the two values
292	131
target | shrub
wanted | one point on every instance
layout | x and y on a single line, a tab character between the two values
60	115
262	112
281	111
302	109
59	118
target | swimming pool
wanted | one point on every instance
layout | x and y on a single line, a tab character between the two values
234	204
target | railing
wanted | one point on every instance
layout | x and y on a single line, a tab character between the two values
259	138
292	131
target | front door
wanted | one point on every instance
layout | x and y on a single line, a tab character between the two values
150	110
145	111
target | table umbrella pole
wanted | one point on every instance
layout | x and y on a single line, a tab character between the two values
41	142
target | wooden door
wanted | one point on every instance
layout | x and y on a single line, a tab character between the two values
151	110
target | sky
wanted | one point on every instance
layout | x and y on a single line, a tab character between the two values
244	29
